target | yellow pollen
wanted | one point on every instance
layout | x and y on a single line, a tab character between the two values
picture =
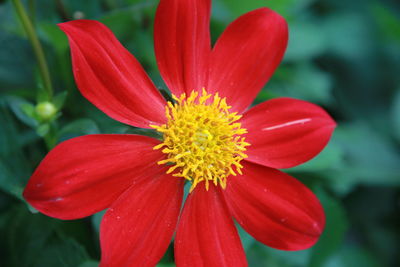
202	139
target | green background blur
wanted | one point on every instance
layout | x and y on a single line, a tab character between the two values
342	55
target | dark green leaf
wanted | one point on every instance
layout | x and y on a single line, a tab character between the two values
14	167
16	62
26	236
61	252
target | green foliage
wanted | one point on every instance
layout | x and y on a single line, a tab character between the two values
39	239
343	55
395	118
333	236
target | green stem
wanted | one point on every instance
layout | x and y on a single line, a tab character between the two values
31	11
37	47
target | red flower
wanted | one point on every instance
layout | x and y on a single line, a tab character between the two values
140	179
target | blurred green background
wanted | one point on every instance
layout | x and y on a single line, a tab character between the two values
342	55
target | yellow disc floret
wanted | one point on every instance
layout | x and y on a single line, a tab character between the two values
202	139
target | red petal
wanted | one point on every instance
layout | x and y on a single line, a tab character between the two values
86	174
110	77
206	234
182	43
138	228
246	55
286	132
275	208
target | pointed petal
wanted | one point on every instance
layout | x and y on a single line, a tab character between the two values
206	234
138	228
86	174
246	55
110	77
182	43
286	132
275	208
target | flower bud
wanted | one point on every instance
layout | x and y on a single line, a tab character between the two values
45	110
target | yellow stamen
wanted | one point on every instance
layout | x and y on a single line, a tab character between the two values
202	139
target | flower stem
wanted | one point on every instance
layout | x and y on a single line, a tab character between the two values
37	47
31	11
51	137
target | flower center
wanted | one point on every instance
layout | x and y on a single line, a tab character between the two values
202	139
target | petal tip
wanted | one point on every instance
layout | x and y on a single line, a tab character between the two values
79	23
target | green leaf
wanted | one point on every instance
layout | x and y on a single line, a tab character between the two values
388	21
122	21
303	81
41	93
54	36
87	9
131	28
247	240
348	36
90	264
79	127
331	157
26	236
261	255
14	167
165	265
16	62
284	7
96	220
382	240
335	229
23	110
8	183
43	129
145	132
307	40
287	7
396	115
351	256
61	252
59	61
59	99
36	240
371	159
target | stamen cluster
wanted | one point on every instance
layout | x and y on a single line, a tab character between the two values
202	139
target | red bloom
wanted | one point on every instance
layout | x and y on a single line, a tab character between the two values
140	179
